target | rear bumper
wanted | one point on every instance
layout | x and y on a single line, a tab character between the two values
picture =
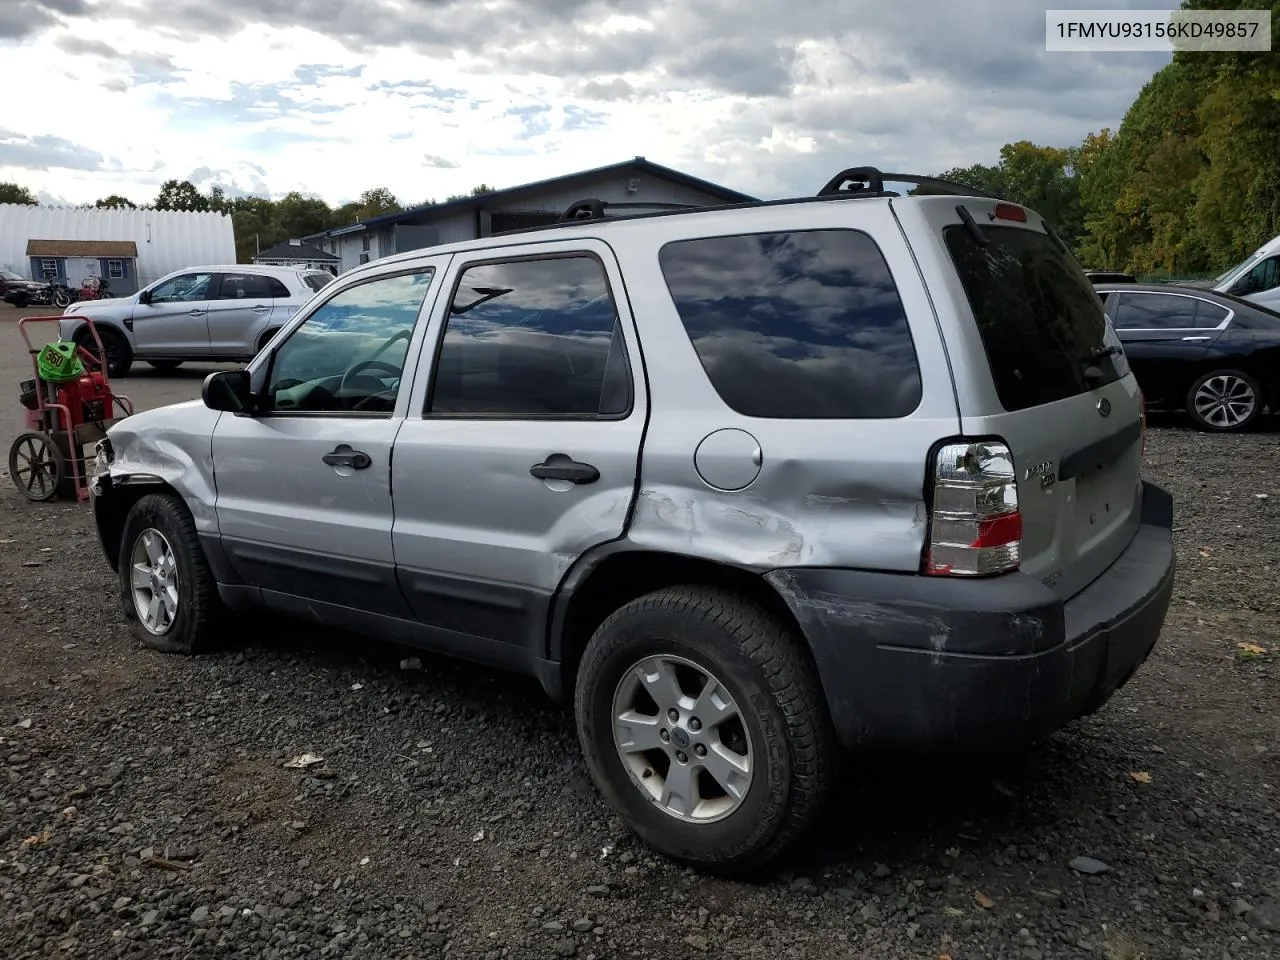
888	646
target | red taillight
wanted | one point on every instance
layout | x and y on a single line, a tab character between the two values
975	525
1010	211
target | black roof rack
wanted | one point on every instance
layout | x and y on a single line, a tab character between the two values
869	182
593	209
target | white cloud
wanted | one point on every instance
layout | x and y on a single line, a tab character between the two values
332	98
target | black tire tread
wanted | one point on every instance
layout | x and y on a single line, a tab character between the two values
791	679
199	630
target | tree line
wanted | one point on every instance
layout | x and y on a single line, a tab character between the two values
1187	186
258	222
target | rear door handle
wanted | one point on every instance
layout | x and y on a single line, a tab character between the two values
1195	338
558	466
196	313
260	309
344	456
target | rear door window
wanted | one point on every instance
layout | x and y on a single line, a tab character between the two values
1165	311
800	325
1041	322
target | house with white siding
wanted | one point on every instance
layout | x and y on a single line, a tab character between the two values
129	247
637	183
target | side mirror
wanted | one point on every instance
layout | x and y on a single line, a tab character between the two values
144	297
228	390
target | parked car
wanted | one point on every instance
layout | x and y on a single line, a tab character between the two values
1212	354
14	286
751	487
219	313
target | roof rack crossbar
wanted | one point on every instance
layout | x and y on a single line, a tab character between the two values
593	209
869	182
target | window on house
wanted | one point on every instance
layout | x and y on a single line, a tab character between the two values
532	339
364	258
49	267
364	243
115	269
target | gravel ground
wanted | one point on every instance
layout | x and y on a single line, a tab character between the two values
147	809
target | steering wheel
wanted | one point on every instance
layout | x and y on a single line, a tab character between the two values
363	365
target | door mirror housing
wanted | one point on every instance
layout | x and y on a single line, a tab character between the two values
144	297
228	391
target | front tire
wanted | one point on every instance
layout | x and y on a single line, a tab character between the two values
119	353
1225	401
164	366
167	591
704	725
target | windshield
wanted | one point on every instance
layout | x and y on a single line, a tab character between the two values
1226	279
10	275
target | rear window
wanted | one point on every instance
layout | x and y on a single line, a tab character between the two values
803	325
1041	322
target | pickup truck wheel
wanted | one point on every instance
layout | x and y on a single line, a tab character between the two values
705	727
119	353
167	590
1225	401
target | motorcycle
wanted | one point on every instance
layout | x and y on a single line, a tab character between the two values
94	288
58	294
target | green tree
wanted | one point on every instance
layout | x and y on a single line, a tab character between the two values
376	202
13	193
180	195
115	201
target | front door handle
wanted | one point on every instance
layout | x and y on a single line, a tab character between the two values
260	309
560	467
344	456
196	313
1195	338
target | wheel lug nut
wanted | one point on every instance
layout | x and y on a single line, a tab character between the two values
700	750
673	715
664	736
695	724
682	757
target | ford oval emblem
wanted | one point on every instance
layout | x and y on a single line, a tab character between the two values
1104	407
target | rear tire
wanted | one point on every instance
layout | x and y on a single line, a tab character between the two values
1225	401
735	662
165	365
167	591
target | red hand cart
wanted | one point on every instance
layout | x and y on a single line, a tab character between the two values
62	419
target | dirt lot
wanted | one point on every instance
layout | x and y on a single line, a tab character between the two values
146	809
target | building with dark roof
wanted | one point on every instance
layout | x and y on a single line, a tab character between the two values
637	182
290	253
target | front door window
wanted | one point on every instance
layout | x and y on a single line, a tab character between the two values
187	288
349	354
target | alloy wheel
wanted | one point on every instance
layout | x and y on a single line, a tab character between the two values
681	738
1225	401
154	581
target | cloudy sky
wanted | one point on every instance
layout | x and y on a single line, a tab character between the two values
429	97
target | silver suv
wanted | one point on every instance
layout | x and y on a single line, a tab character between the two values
749	486
214	313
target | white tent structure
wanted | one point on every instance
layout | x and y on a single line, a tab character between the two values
166	240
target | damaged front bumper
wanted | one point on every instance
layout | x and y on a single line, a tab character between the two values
922	662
